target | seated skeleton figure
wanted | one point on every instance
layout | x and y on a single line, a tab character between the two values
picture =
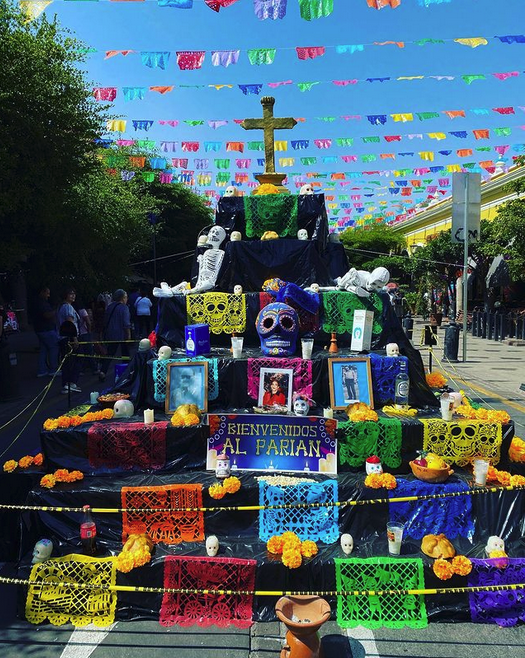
209	265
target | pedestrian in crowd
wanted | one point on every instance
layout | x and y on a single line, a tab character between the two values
142	307
85	338
117	328
133	295
44	325
68	322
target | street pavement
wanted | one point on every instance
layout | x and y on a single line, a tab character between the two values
492	375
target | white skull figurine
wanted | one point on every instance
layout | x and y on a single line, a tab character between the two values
237	290
164	353
236	236
494	543
123	409
373	465
212	545
42	551
231	190
222	469
302	234
306	189
392	349
301	406
347	543
144	345
216	236
315	288
201	242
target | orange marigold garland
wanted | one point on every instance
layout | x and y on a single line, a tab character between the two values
38	459
217	491
48	481
504	477
517	450
274	545
490	415
359	411
24	462
435	379
232	484
64	422
10	465
309	548
443	569
60	475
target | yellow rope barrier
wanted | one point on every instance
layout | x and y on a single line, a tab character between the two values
233	592
255	508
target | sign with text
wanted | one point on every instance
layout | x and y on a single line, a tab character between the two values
260	442
466	197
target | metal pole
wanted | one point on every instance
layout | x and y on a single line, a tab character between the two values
154	254
465	270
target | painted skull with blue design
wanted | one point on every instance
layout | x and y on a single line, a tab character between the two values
278	326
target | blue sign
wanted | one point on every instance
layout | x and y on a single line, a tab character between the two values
261	442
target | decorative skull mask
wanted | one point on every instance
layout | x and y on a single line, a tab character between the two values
231	190
164	353
212	545
306	189
302	234
378	279
42	551
373	465
301	406
123	409
236	236
222	469
277	325
216	236
347	543
392	349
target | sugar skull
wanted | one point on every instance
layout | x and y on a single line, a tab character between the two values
144	345
392	349
315	288
347	543
302	234
164	353
42	551
212	545
373	465
277	325
123	409
231	190
236	236
306	189
301	406
222	469
237	290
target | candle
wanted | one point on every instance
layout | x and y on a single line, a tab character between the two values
93	397
328	413
149	417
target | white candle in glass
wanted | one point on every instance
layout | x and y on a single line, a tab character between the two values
149	416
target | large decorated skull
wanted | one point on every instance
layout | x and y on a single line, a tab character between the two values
123	409
216	236
231	190
277	325
306	189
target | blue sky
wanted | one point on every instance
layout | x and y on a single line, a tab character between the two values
143	26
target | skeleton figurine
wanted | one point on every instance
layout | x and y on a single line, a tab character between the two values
42	551
347	543
306	189
362	283
209	265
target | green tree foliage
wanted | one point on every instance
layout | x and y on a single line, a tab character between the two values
375	246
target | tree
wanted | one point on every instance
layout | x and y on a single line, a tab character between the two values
376	246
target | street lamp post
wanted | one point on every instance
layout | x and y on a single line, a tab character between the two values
153	219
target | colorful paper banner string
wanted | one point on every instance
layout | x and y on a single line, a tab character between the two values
316	524
450	516
458	442
224	313
376	574
357	441
59	605
206	608
127	446
163	524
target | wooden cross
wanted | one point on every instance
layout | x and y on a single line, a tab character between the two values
269	124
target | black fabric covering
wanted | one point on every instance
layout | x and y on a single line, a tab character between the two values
250	263
311	215
501	514
134	379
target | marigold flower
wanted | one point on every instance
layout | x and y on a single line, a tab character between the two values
107	414
308	548
517	450
63	422
274	545
191	419
231	485
61	475
266	188
141	557
373	481
177	420
50	424
443	569
388	481
461	565
26	462
292	558
290	541
517	479
217	491
48	481
76	475
76	421
10	465
503	478
435	379
466	411
38	459
492	474
498	416
360	416
124	562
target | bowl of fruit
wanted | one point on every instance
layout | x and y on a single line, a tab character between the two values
430	467
108	399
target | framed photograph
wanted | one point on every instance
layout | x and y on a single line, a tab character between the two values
350	381
275	387
187	383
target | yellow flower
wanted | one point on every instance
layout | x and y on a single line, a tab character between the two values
231	485
388	481
291	541
48	481
495	416
107	414
466	411
124	562
76	475
26	461
10	466
275	545
435	379
177	420
443	569
461	565
38	459
373	481
50	424
266	188
308	548
76	421
517	479
292	558
217	491
517	450
191	419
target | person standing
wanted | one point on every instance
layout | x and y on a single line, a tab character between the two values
117	328
142	307
68	322
44	325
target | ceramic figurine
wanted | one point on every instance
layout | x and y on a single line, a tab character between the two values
236	236
123	409
494	543
306	189
237	290
373	465
347	543
301	405
392	349
231	190
302	234
278	326
201	241
144	345
42	551
362	283
222	470
212	545
164	353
